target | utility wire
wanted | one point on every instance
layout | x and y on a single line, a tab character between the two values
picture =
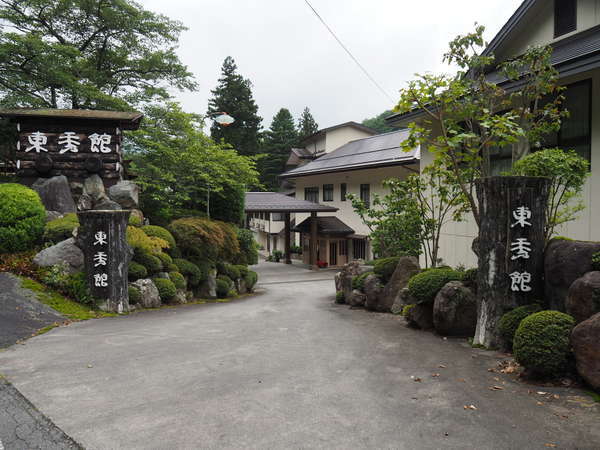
350	53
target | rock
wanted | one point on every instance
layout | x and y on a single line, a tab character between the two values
94	187
180	298
209	287
107	205
125	193
583	299
421	316
455	310
240	286
53	215
373	289
565	262
338	281
407	267
55	194
585	340
150	296
137	214
85	203
348	272
65	253
403	299
356	298
76	188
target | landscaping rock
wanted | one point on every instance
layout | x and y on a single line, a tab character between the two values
85	202
138	215
373	289
209	287
150	295
240	286
180	297
585	340
565	262
356	298
404	298
55	194
421	316
94	187
125	193
407	267
455	310
53	215
348	272
583	299
65	252
107	205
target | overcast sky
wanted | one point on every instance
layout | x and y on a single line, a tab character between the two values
294	62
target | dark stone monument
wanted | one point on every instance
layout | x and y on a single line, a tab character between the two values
102	237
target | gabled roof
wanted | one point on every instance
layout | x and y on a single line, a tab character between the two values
128	120
375	151
280	203
509	26
351	124
325	225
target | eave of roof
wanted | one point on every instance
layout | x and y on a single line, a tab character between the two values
276	202
128	120
325	225
509	26
352	124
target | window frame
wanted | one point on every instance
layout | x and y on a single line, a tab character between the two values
367	187
343	191
571	26
328	192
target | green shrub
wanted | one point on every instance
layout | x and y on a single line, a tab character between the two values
277	255
250	279
159	232
164	259
148	260
178	280
425	285
470	278
406	310
358	282
385	267
138	240
175	252
509	323
230	270
22	218
295	249
224	286
172	268
541	343
596	261
58	230
243	270
77	288
340	297
136	271
248	247
134	221
166	289
191	271
135	295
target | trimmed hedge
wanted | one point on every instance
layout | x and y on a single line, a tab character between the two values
22	218
230	270
190	270
148	260
166	289
224	286
385	267
509	323
160	232
135	295
541	343
136	271
178	280
137	239
425	285
165	259
58	230
251	278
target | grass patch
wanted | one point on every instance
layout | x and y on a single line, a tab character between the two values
595	395
67	307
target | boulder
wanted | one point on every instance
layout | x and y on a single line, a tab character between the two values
85	202
53	215
583	299
209	287
240	286
136	213
337	279
180	297
565	261
125	193
421	316
407	267
356	298
455	310
150	297
107	205
55	194
404	298
94	187
585	340
65	253
373	289
348	272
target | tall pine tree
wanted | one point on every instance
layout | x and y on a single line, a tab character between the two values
278	141
233	95
307	124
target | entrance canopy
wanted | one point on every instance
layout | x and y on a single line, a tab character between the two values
325	225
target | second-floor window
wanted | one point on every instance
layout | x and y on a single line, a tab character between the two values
565	17
343	191
365	194
311	194
328	192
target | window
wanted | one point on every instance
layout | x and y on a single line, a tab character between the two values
359	248
565	17
343	191
343	248
365	194
311	194
328	192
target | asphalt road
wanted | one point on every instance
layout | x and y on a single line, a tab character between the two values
285	369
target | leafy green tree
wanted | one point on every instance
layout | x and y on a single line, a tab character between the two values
378	122
181	170
97	54
307	124
278	141
233	95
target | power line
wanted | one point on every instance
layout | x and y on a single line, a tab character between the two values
350	53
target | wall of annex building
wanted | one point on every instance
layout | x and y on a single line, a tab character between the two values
341	136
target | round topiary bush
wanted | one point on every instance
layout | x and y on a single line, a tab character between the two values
172	267
229	270
243	270
190	270
509	323
22	218
58	230
136	271
223	287
596	261
358	282
178	280
470	279
148	260
425	285
541	343
166	289
385	267
159	232
135	295
164	259
250	279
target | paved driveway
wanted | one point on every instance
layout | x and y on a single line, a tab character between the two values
284	369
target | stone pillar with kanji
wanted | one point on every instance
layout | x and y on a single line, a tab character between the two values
510	249
102	237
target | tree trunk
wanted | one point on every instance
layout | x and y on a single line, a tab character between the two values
510	249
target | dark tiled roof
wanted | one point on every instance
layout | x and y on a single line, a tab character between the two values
325	225
374	151
352	124
278	202
129	120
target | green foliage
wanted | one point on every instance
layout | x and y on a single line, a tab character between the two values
172	268
596	261
307	125
73	285
87	54
178	280
229	270
568	172
159	232
151	262
277	143
295	249
385	267
166	289
58	230
224	286
248	247
378	122
136	271
242	269
509	323
541	343
138	240
135	295
251	278
358	282
425	285
227	204
134	221
165	259
191	271
406	310
22	218
340	297
470	279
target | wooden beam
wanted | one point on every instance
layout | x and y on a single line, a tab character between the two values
288	258
313	241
